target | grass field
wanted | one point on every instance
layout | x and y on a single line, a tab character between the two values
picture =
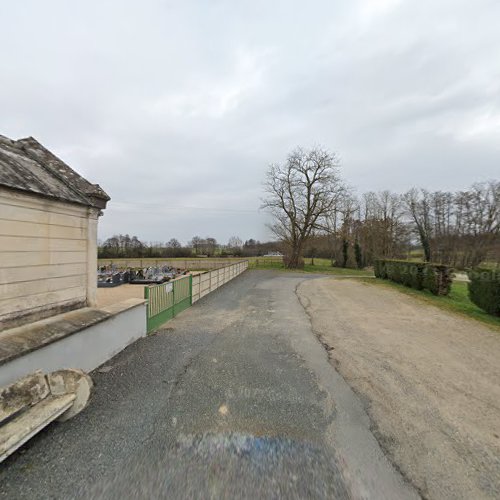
457	301
321	266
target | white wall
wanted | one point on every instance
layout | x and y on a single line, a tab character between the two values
207	282
47	256
86	349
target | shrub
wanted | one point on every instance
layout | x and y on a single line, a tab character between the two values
419	275
437	279
484	289
413	275
393	270
380	270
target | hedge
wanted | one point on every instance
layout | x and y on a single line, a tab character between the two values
436	278
484	289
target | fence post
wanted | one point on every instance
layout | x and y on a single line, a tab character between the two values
146	297
191	289
173	299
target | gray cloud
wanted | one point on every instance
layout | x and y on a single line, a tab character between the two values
176	108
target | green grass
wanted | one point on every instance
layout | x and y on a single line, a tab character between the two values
193	257
154	261
337	271
321	266
457	301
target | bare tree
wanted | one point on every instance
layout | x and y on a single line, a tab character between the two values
210	246
381	230
338	226
121	245
196	244
173	243
418	205
481	224
459	229
301	193
235	242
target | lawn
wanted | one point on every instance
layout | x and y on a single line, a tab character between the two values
321	266
457	301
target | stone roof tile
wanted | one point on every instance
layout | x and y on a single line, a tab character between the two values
26	165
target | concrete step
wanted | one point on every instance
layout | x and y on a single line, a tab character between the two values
32	402
22	394
21	428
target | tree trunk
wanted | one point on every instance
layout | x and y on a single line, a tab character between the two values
426	244
345	252
358	254
427	249
294	259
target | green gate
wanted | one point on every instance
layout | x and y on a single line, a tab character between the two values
167	300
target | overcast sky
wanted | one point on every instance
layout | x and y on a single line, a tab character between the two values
177	108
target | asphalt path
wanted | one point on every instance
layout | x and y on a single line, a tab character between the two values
234	398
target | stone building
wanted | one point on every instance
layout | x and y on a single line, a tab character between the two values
48	234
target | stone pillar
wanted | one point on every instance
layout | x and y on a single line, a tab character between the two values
93	215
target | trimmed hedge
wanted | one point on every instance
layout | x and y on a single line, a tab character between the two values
484	289
419	275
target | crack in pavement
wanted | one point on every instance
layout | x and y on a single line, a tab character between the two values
353	421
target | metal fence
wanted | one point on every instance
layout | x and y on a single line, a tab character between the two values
168	299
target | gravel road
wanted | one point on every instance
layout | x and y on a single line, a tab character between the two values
430	381
234	398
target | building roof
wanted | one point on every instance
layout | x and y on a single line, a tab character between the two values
25	165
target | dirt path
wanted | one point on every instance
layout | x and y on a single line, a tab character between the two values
430	380
109	296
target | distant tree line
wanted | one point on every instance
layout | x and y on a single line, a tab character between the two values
126	246
317	215
460	229
235	247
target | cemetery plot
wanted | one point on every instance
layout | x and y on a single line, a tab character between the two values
112	276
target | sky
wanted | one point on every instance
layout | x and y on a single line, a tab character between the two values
177	108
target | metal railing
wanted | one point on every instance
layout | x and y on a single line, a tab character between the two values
165	301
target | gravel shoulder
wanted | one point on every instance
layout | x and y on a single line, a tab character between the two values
430	381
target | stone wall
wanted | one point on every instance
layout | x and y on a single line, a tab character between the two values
47	257
82	339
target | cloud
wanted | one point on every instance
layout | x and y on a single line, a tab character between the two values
176	109
216	97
